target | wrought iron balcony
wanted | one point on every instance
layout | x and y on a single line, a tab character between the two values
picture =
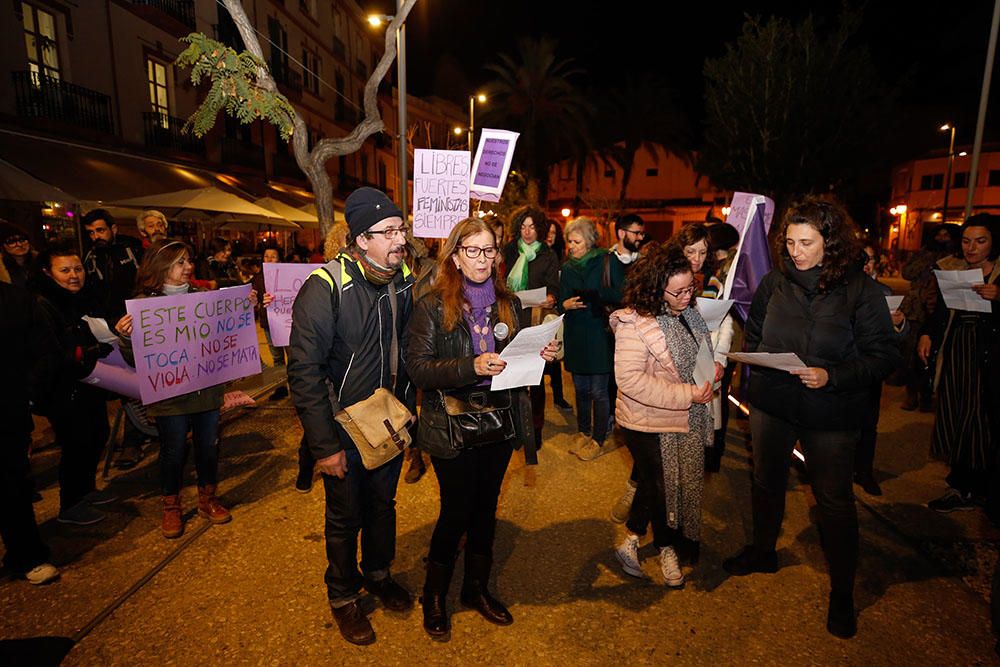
287	78
40	96
180	10
163	131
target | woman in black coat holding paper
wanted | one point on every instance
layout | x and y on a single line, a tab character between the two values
456	333
820	305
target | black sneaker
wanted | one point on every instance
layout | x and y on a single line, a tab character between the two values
304	480
278	394
953	501
841	621
562	404
868	483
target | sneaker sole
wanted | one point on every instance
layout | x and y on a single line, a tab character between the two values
618	519
77	522
628	569
675	585
949	510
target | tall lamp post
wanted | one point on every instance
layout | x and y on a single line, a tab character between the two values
951	159
472	116
403	158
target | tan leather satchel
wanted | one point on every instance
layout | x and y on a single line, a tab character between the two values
378	424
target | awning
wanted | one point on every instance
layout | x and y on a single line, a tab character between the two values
18	185
96	174
285	211
201	199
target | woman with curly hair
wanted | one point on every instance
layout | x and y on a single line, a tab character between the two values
662	410
820	305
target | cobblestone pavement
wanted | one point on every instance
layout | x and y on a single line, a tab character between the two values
251	592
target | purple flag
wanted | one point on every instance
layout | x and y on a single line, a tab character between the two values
752	263
192	341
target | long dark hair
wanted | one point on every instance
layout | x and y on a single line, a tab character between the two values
156	262
841	247
646	282
448	282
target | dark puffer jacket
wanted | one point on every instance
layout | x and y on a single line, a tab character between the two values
436	359
847	331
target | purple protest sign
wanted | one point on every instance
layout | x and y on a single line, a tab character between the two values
187	342
440	191
743	207
115	375
492	163
283	281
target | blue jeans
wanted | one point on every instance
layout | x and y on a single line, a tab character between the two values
363	502
592	389
204	428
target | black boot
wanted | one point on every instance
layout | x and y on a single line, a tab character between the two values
436	621
474	590
840	619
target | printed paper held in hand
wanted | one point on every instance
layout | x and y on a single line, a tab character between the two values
704	366
783	361
523	356
894	302
956	288
532	297
713	311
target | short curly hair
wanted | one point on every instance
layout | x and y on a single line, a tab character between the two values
646	282
586	228
841	244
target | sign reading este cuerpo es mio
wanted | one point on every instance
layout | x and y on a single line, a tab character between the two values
187	342
440	191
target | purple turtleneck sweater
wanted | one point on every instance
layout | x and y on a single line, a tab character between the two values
480	297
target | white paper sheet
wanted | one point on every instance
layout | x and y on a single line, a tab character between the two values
532	297
894	302
524	361
100	329
956	288
713	311
783	361
704	366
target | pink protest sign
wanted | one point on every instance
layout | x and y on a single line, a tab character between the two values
440	191
192	341
283	282
114	374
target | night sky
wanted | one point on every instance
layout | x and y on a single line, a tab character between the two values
935	52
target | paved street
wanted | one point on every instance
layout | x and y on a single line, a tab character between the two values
251	592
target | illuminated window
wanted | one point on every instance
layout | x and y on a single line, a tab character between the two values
40	42
156	75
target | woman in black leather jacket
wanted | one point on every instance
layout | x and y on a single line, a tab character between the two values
821	306
456	334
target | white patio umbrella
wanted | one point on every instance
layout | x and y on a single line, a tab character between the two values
204	199
287	212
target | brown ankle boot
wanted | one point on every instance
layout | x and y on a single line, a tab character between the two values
209	506
173	524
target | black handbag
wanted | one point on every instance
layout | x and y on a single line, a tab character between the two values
479	417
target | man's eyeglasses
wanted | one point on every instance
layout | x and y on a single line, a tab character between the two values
638	232
388	232
687	291
11	240
472	252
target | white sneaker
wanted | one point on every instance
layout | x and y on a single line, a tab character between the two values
627	554
589	451
41	574
670	568
620	510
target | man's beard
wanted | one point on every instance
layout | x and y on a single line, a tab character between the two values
630	245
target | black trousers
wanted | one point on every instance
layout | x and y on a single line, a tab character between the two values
470	487
363	502
830	462
80	423
537	395
649	505
864	456
554	370
18	529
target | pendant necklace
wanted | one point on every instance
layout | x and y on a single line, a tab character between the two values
482	332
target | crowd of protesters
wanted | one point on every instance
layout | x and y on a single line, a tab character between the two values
387	313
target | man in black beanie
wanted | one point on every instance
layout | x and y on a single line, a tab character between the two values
339	354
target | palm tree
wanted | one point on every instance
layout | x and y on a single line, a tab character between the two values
640	115
534	95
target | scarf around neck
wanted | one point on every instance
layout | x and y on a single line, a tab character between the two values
684	334
373	272
580	263
517	279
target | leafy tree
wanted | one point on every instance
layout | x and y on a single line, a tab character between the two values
243	87
534	94
791	109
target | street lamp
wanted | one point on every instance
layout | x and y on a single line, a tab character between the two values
376	20
472	115
951	159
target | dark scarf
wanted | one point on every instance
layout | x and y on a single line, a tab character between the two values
374	273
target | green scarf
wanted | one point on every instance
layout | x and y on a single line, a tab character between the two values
581	263
517	279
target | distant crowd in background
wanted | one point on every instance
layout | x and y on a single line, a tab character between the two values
632	340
